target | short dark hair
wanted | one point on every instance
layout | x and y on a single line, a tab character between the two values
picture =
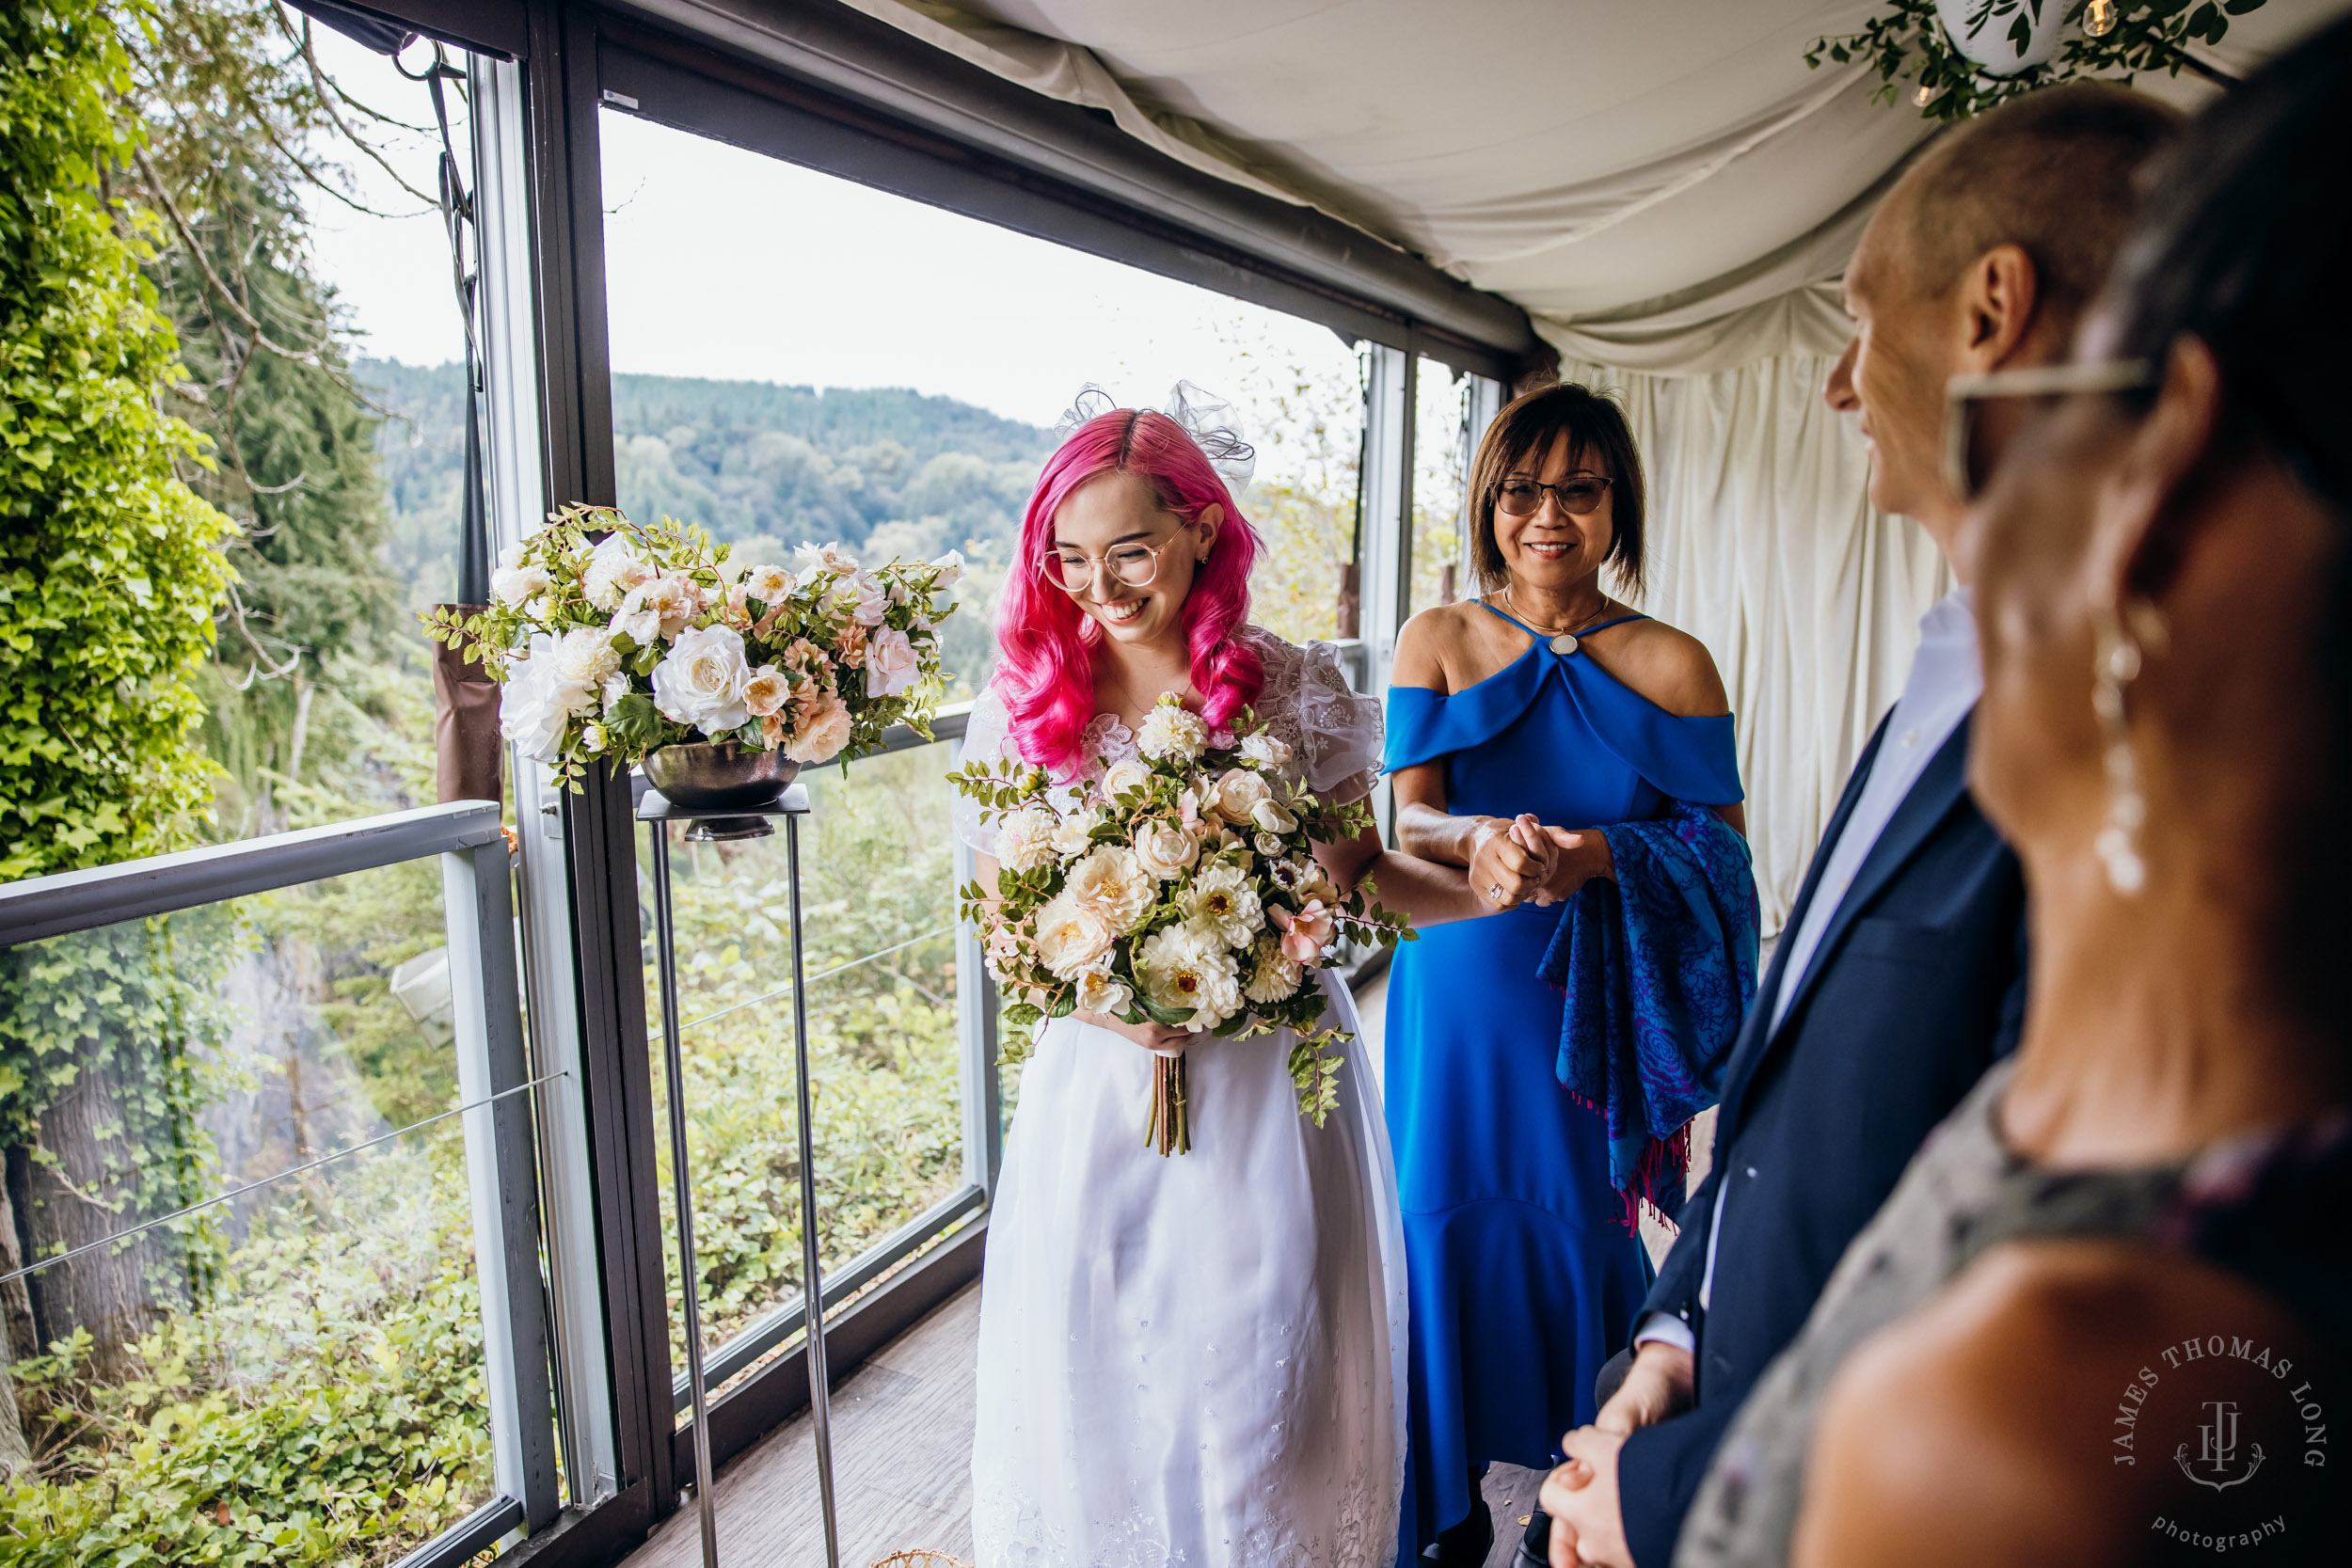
1527	428
2056	173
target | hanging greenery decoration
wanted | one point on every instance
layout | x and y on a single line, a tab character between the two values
1934	51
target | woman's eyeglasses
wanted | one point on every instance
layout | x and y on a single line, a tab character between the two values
1131	565
1973	447
1579	497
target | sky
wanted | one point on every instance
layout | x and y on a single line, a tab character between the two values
727	263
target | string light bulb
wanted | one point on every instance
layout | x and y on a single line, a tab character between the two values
2100	17
1925	96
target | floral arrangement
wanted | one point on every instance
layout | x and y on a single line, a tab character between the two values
1177	887
614	640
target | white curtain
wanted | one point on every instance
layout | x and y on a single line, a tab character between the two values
1764	546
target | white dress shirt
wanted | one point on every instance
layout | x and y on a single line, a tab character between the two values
1947	678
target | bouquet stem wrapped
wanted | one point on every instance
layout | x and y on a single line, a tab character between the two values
1179	887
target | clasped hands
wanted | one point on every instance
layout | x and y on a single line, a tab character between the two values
1581	1496
1515	860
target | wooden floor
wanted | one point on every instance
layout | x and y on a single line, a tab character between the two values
902	1464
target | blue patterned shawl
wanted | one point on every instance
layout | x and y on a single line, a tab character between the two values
1659	967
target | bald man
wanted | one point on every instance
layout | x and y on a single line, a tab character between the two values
1900	976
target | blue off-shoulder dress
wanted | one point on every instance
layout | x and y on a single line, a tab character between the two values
1522	1276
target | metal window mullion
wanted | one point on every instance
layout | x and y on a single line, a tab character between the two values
503	1176
975	1035
1386	550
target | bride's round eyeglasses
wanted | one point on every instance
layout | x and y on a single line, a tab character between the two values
1579	497
1131	564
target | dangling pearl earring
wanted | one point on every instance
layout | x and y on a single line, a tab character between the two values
2115	665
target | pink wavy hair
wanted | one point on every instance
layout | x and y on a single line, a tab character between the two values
1046	644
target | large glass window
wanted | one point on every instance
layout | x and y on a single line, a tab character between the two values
1442	442
797	357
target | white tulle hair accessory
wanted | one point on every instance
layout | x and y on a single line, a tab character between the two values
1209	419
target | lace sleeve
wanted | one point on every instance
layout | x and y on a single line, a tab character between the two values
1334	731
986	734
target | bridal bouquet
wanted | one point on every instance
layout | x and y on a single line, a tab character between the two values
651	636
1178	887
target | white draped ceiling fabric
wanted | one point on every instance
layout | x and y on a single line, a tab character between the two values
1672	195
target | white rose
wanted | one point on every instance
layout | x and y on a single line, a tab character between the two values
767	585
1102	993
1120	777
537	702
1239	793
1269	845
1071	935
1274	975
614	571
1171	732
1258	746
869	604
891	664
1024	839
1221	900
811	559
1071	833
824	729
767	692
702	679
951	569
1273	819
657	608
1163	849
1110	882
586	655
1183	966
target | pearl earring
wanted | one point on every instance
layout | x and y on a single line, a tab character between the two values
2115	664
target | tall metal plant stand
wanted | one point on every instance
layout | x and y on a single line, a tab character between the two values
703	826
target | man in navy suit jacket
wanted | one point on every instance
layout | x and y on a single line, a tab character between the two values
1900	976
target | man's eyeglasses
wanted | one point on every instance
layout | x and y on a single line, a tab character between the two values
1130	564
1971	449
1579	497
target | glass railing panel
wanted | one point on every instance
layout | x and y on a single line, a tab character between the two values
244	1316
878	900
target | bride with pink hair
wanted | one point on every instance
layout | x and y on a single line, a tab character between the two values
1198	1359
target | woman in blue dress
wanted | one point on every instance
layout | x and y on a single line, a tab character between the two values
1543	707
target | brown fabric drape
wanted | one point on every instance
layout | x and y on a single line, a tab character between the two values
465	724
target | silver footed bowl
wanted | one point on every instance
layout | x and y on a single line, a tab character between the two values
721	777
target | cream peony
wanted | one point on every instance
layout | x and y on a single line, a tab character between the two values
1221	900
1024	839
701	681
767	585
891	664
1109	882
614	572
823	729
1171	732
811	559
1274	975
514	583
586	655
1104	993
767	692
1262	747
1163	849
1185	967
657	608
537	702
1071	935
1072	832
1122	776
1239	793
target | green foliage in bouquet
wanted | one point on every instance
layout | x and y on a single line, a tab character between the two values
1179	887
109	565
616	639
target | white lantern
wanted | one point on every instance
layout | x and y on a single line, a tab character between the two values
1980	29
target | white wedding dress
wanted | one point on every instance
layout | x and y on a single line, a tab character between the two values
1195	1360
